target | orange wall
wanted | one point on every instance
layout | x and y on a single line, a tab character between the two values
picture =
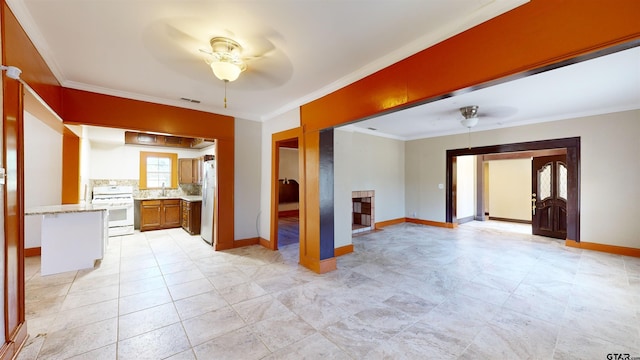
89	108
536	34
20	52
70	168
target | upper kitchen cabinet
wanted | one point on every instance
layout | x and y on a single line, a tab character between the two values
190	171
148	139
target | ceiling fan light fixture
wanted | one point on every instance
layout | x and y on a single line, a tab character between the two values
470	114
225	71
226	59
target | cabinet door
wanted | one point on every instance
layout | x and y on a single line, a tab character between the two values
171	213
184	206
150	218
194	224
185	171
196	165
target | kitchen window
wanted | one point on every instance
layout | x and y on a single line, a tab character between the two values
158	170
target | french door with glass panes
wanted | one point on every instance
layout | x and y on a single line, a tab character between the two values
549	196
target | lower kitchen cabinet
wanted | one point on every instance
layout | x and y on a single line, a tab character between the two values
159	214
191	216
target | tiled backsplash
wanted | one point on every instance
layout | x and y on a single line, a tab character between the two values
182	190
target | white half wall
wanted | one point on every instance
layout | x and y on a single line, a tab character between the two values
609	171
247	178
510	189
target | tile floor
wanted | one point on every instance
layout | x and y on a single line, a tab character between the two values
407	292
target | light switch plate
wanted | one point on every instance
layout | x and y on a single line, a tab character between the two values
3	176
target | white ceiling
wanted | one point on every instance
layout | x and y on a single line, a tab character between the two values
598	86
149	50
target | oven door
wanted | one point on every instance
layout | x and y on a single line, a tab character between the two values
121	215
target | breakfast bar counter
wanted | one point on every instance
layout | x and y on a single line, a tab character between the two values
73	237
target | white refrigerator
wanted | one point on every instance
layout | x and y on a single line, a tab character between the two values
208	201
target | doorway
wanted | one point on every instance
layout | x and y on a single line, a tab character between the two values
572	146
287	176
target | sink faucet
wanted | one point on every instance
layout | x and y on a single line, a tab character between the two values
164	190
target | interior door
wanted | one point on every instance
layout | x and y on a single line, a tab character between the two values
549	196
13	162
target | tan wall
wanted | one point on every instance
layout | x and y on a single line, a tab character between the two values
289	164
466	186
510	189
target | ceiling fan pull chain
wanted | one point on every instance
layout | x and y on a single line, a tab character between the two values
225	93
469	138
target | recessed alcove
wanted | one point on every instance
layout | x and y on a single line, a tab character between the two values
363	211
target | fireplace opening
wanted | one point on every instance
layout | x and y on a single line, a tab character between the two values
362	211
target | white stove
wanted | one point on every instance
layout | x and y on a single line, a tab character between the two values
119	201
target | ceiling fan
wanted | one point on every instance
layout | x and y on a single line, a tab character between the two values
187	45
471	114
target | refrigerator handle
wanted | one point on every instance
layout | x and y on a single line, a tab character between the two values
204	190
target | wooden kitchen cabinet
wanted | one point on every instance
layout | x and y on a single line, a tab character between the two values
159	214
190	170
191	211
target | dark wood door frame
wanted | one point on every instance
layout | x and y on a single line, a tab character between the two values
573	177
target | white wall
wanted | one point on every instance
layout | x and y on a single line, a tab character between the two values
42	173
609	171
247	178
510	189
366	162
466	186
289	164
85	165
118	161
342	187
377	163
286	121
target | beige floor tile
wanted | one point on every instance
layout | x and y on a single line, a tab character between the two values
278	332
83	298
313	347
191	288
145	300
210	325
261	308
181	277
157	344
140	286
71	342
199	304
84	315
239	344
241	292
105	353
142	321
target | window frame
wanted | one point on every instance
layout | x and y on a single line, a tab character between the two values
173	157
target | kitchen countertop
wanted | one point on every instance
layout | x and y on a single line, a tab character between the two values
190	198
59	209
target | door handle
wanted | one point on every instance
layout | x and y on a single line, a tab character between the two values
533	209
